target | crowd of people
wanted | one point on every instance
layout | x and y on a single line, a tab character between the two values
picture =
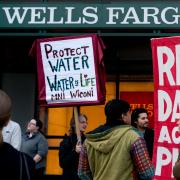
122	148
114	150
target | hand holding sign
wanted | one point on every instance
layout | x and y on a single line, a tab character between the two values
70	72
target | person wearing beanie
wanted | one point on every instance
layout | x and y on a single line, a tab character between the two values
5	109
12	162
11	130
114	150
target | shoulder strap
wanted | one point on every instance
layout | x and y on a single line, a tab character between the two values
26	166
23	159
20	173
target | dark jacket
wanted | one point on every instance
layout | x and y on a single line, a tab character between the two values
149	138
10	163
68	158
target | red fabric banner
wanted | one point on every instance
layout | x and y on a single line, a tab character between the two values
166	65
70	70
141	100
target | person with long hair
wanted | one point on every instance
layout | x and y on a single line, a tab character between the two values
70	148
139	119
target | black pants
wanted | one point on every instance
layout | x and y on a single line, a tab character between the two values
39	173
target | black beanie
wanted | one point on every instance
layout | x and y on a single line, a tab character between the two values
5	108
115	108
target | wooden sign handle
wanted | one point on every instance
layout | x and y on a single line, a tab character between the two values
77	125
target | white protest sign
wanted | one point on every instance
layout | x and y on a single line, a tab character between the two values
69	70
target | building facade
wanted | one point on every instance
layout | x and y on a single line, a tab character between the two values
126	28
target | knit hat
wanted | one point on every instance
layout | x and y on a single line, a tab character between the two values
115	108
5	108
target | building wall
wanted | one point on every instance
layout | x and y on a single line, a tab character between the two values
21	89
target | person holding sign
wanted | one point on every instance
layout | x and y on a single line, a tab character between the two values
139	119
70	148
115	151
176	168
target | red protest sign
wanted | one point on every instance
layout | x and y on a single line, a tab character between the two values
70	70
166	65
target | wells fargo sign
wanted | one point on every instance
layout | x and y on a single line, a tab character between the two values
95	15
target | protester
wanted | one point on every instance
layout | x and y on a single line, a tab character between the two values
12	134
139	119
35	145
69	149
176	168
114	150
12	162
